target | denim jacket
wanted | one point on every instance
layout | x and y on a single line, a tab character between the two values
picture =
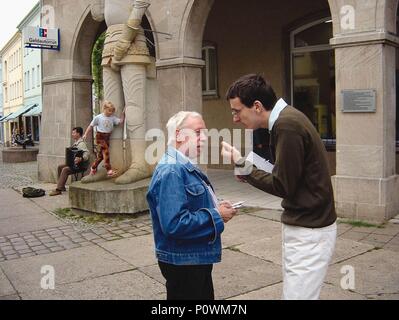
186	224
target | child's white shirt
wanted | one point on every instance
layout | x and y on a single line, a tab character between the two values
105	124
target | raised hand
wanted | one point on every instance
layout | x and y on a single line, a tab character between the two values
230	152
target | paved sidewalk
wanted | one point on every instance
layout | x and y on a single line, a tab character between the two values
116	260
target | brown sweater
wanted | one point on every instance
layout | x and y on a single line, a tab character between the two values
301	174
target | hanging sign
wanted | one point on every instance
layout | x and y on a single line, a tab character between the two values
42	38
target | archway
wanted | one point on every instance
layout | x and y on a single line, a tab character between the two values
255	38
67	82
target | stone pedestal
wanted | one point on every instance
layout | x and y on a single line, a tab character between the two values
109	198
18	155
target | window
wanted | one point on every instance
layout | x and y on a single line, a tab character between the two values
209	72
313	76
38	76
6	70
28	82
28	123
36	129
33	78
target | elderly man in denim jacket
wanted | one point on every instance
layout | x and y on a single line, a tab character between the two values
187	217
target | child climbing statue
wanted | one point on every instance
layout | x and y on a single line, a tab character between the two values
104	123
126	62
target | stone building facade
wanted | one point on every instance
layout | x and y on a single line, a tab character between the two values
311	51
12	83
32	73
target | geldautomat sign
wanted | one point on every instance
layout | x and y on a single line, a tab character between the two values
42	38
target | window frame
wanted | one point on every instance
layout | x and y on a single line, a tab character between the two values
315	48
206	92
329	143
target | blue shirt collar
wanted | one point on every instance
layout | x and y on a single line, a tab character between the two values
278	107
185	161
181	158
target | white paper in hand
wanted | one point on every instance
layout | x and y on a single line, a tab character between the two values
259	162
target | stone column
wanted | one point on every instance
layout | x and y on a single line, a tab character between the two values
180	86
365	185
67	82
67	102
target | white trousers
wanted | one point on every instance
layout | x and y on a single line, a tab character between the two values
306	255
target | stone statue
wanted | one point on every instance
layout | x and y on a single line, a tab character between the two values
125	61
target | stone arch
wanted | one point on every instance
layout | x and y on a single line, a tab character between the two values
397	15
386	16
194	22
378	15
86	33
193	25
83	41
148	23
334	16
67	82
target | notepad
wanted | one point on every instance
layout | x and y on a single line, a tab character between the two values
259	162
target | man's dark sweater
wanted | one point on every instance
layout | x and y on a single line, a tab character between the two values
301	174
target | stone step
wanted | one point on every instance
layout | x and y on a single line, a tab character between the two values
106	197
18	155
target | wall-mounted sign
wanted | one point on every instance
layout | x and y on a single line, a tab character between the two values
358	100
42	38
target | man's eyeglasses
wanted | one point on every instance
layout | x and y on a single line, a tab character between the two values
235	112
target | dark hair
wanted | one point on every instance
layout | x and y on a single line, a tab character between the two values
78	130
253	87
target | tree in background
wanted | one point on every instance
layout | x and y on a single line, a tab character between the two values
97	72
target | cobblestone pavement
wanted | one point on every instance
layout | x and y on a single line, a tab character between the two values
17	174
118	254
77	234
27	244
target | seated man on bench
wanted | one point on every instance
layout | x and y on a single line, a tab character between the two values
63	170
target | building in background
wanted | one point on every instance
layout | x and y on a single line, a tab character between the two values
334	60
1	104
31	70
12	83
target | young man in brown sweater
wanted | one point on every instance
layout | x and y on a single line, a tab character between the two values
300	176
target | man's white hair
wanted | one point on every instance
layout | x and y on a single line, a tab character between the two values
177	122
